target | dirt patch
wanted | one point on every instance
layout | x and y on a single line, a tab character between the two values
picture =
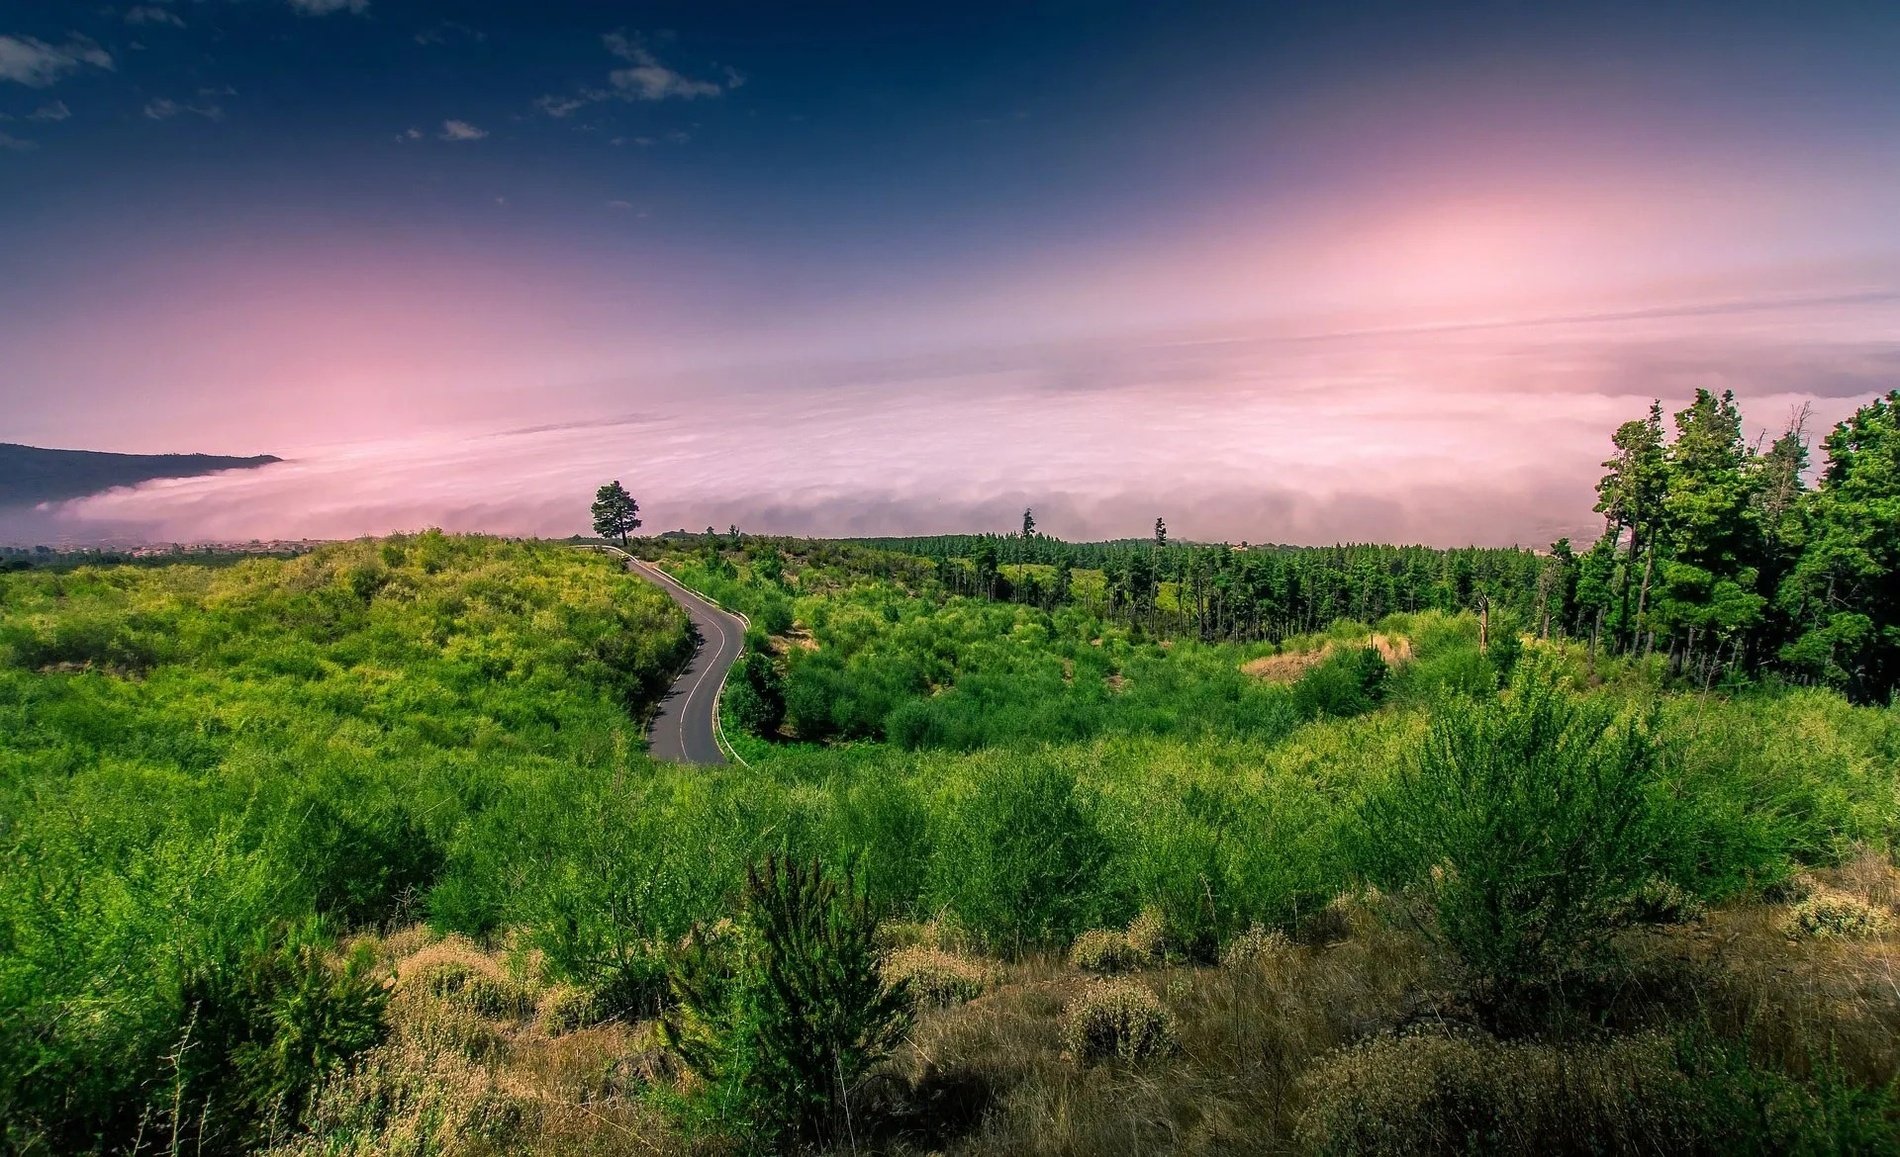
1284	668
800	640
1396	650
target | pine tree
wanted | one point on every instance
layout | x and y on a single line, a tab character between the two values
1842	593
1630	497
616	514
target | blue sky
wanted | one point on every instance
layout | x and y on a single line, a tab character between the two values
877	237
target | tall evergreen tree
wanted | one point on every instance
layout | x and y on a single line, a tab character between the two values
1843	593
1713	533
1630	497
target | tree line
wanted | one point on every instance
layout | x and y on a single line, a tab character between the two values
1222	592
1727	558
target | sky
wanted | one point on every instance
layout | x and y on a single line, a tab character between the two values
1275	272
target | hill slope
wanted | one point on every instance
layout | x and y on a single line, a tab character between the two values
32	474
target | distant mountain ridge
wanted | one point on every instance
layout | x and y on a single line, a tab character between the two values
33	474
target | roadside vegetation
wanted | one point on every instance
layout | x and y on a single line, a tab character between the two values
358	853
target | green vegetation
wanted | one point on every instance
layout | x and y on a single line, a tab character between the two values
208	773
356	852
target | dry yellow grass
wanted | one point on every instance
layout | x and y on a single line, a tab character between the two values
483	1059
1286	1046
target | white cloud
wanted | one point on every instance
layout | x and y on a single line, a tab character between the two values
51	111
648	79
461	131
37	64
326	7
15	144
409	135
620	204
152	14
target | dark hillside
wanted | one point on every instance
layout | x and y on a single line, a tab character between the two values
31	474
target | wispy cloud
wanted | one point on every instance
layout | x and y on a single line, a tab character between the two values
461	131
447	31
50	111
164	109
561	106
648	79
37	64
153	14
326	7
14	144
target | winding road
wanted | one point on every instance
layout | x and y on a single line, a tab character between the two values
684	727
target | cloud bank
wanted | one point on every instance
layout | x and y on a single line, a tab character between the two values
1465	435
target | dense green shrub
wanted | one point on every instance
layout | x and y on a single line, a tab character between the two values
364	857
1020	856
755	694
268	1032
1350	681
1528	825
783	1020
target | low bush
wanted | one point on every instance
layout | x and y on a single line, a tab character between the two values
1147	935
1664	902
1117	1019
1104	950
1020	856
1828	913
934	977
1256	943
268	1033
565	1008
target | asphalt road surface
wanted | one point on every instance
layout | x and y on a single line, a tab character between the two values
683	726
